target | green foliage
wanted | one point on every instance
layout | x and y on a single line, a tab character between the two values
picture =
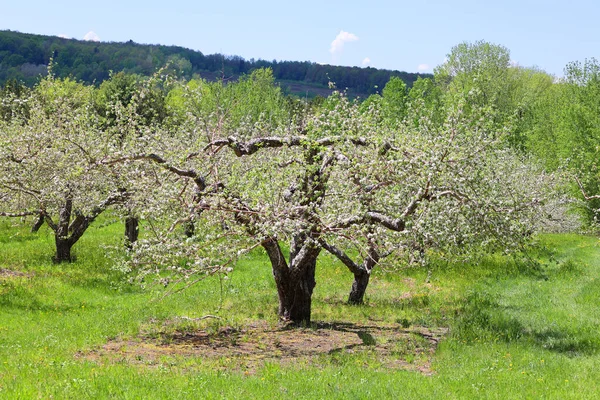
478	72
55	94
145	96
566	131
252	102
516	97
13	101
480	64
526	89
256	98
395	98
118	89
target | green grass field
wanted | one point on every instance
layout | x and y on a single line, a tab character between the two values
510	330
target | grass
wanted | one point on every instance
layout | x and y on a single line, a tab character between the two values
513	331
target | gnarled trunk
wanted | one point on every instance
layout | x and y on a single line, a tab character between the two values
38	223
362	276
63	249
359	287
131	230
295	283
61	232
297	302
68	231
361	272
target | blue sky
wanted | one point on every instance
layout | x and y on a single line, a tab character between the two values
408	36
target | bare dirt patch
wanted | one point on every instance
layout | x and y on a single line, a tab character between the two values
247	349
9	273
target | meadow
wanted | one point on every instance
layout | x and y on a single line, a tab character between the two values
499	328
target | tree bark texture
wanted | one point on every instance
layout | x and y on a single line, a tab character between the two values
38	223
63	250
359	287
131	230
362	275
68	230
61	232
295	282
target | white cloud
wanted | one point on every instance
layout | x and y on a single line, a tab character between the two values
423	67
64	36
338	43
513	63
91	36
366	61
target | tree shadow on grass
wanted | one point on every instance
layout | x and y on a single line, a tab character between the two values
482	318
16	296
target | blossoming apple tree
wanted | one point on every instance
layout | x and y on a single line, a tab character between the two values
334	179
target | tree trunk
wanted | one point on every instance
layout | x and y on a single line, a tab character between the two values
131	230
63	250
295	305
298	302
67	232
61	232
189	229
280	270
38	223
359	287
295	284
362	276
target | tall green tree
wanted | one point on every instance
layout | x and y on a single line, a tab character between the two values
480	64
483	72
394	100
566	132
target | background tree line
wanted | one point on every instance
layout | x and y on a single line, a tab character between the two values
24	57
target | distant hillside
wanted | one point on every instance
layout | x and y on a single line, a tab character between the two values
25	57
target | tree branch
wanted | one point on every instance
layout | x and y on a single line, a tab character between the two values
328	141
348	222
109	201
50	222
421	194
21	188
20	214
307	251
343	257
190	173
84	151
15	160
585	196
248	148
397	225
81	222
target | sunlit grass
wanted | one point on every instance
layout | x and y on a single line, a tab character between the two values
515	330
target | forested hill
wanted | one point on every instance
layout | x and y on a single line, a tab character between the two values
26	56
